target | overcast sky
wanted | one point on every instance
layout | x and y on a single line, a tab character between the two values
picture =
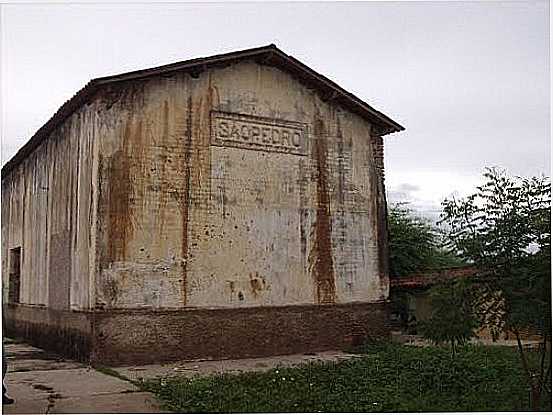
470	81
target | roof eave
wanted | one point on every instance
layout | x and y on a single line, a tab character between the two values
266	54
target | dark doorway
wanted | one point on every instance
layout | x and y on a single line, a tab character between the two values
15	275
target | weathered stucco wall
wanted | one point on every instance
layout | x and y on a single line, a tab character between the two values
47	211
190	213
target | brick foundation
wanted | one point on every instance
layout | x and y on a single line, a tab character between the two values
128	337
65	332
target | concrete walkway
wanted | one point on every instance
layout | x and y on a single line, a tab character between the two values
211	367
44	383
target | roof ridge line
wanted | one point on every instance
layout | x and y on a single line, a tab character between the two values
348	99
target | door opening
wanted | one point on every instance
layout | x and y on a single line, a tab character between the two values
15	275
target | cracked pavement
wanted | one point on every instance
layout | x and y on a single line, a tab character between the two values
44	383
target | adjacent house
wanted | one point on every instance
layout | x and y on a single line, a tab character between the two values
410	296
226	206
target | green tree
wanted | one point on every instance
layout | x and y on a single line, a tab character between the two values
452	319
415	245
504	229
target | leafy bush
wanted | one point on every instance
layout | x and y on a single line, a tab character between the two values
415	245
452	320
504	229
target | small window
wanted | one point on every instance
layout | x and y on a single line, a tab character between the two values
15	275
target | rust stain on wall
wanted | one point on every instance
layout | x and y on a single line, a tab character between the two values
320	258
257	283
232	289
201	155
185	199
120	222
163	180
341	189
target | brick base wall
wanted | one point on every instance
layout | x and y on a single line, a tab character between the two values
127	337
147	337
66	332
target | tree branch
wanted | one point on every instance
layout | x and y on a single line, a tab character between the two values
543	353
542	380
547	373
523	358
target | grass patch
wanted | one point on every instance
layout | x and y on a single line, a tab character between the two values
384	378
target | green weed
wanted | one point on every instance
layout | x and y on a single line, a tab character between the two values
384	378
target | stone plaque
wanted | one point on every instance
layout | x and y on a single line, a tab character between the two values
258	133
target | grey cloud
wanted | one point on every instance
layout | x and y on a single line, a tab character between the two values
402	192
469	80
408	187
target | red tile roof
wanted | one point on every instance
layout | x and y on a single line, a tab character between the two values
429	278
